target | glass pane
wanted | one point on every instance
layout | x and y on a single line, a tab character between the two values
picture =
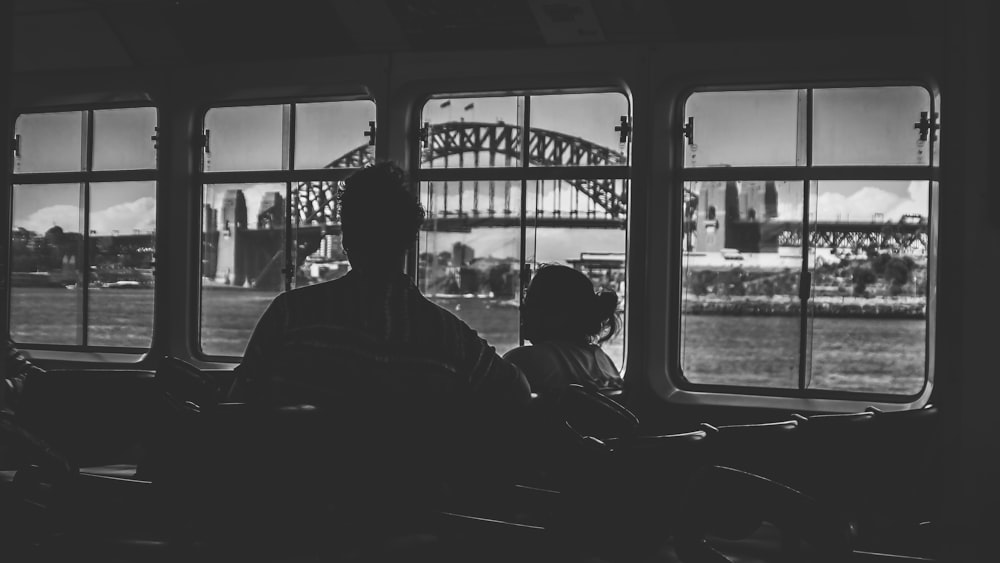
751	128
588	235
870	125
45	264
332	134
577	129
471	133
319	250
742	249
458	255
242	255
122	139
245	138
870	286
50	142
122	245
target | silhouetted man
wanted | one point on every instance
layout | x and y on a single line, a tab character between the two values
374	315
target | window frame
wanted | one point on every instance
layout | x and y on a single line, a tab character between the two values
807	174
525	172
84	178
202	178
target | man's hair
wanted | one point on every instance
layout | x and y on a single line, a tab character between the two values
377	212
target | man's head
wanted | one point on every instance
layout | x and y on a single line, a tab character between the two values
379	217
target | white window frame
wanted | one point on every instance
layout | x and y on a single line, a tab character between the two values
525	172
675	387
84	178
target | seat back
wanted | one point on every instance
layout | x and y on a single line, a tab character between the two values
903	454
830	458
93	417
722	502
389	429
622	502
185	384
591	413
762	448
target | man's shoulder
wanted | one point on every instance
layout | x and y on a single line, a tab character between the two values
445	315
309	293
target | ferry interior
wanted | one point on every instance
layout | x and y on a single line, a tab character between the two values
792	201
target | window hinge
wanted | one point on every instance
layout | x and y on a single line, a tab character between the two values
624	130
689	130
805	285
16	145
927	125
370	133
204	139
423	133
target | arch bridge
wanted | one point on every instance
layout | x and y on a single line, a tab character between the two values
599	203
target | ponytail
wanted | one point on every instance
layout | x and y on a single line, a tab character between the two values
606	314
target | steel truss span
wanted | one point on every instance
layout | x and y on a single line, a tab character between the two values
316	201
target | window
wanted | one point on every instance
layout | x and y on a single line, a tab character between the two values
269	213
83	209
497	208
806	257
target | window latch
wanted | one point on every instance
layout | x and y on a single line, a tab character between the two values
370	133
624	130
689	130
204	139
927	125
155	137
16	145
423	133
805	285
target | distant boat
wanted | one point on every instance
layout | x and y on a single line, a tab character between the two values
123	284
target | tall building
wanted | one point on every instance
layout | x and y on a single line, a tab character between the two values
271	213
731	216
232	221
462	254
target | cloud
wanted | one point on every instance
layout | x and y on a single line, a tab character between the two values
859	206
917	204
123	217
65	216
126	217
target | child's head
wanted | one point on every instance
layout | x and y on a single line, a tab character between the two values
560	304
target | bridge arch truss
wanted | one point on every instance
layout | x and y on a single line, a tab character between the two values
596	173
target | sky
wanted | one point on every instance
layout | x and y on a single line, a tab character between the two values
858	126
122	207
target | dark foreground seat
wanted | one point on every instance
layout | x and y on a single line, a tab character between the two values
236	502
762	448
729	504
382	459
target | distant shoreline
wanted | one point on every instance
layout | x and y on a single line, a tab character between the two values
838	307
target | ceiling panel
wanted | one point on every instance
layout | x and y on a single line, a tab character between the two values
66	40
